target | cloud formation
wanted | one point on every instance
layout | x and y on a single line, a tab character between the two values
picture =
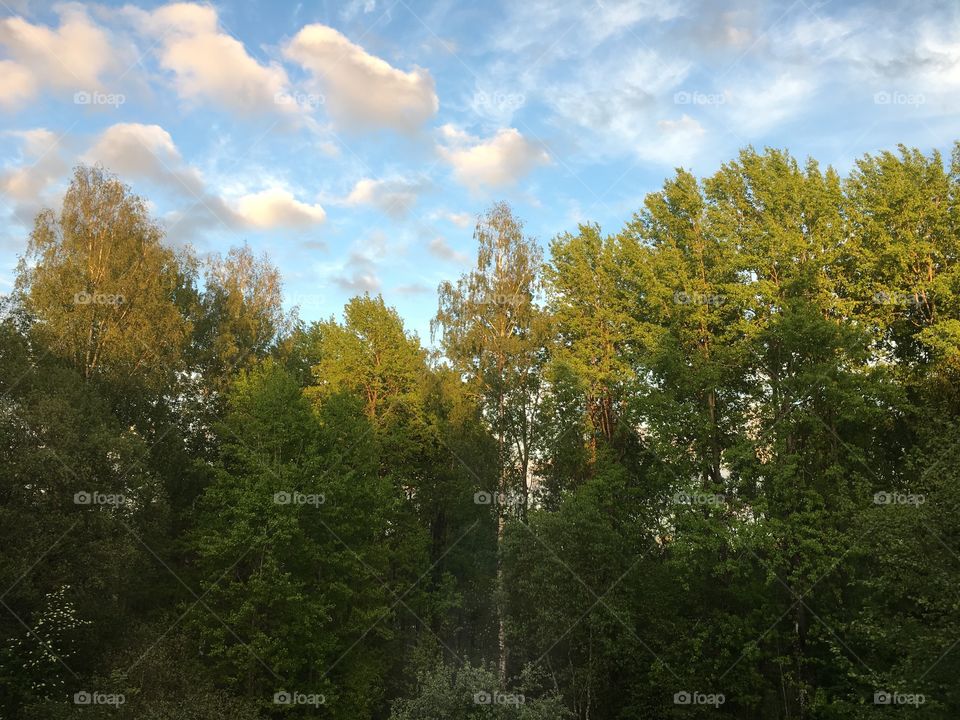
148	152
363	91
211	66
278	208
30	185
394	198
498	161
439	247
73	56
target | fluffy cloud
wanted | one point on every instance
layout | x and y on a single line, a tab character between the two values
362	90
276	207
133	150
459	219
442	249
148	152
616	106
498	161
72	56
208	64
360	275
393	197
30	185
17	84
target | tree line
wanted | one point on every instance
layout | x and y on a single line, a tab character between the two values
703	466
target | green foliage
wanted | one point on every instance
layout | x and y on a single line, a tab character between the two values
471	693
709	457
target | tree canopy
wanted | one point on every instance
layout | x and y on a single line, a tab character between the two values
703	465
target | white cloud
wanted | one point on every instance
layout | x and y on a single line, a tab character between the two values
362	90
17	84
210	65
360	275
567	27
276	207
412	289
677	141
37	142
498	161
442	249
72	56
755	109
355	7
393	197
614	106
929	63
459	219
31	185
148	152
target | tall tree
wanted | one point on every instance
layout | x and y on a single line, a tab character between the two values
493	333
103	286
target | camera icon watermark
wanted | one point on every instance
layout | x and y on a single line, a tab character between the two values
501	299
484	497
98	498
896	298
85	697
898	498
310	101
498	698
883	697
681	297
287	697
85	97
685	697
298	498
693	97
85	298
696	498
892	97
497	104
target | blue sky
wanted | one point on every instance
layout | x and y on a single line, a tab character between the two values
355	142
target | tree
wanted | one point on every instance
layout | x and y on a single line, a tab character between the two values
102	285
493	335
291	546
240	314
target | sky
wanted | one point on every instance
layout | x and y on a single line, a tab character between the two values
356	142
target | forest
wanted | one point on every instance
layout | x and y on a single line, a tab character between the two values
703	466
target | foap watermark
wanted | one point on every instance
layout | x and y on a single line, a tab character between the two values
298	498
484	497
883	697
84	97
893	97
498	698
685	697
682	297
308	300
310	101
896	298
498	103
98	498
697	498
287	697
85	697
898	498
501	299
693	97
85	298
